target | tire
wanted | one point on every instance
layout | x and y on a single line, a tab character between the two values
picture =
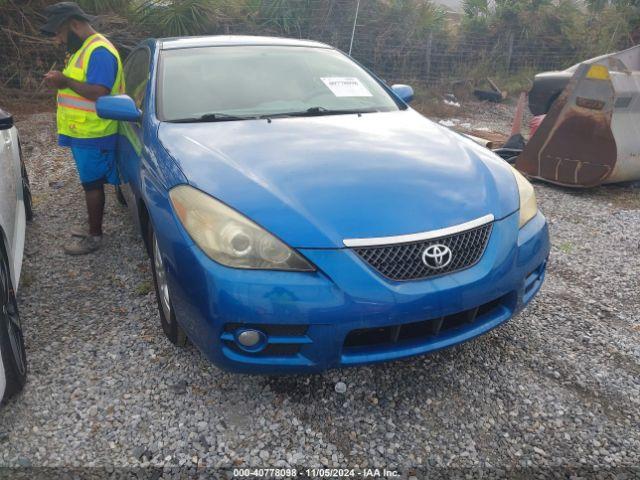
120	196
172	330
26	191
12	348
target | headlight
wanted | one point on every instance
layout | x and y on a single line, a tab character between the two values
230	238
528	204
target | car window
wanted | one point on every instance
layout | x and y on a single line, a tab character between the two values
136	75
263	80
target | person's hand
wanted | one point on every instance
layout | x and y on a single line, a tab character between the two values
55	79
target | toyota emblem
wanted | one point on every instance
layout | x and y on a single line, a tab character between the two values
437	256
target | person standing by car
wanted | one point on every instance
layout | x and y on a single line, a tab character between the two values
93	69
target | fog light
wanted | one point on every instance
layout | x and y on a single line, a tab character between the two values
250	338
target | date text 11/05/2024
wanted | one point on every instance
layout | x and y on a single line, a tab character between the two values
314	473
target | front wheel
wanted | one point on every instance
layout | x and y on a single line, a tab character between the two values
172	330
14	357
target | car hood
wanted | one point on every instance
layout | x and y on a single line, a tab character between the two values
315	181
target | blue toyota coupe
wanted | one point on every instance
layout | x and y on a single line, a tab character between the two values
300	216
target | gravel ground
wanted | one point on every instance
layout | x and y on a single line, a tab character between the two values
557	388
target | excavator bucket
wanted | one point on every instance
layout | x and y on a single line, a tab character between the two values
591	134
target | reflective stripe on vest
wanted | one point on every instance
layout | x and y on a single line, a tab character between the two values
80	61
76	114
76	103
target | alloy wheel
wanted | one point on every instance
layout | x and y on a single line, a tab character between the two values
161	279
9	313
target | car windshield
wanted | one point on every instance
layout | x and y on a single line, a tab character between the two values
237	82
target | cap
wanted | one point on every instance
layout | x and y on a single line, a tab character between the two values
59	13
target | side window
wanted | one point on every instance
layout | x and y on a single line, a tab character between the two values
136	75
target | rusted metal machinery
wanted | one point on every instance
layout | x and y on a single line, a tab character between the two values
591	134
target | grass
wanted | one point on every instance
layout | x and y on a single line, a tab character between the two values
26	280
428	99
566	247
143	288
516	82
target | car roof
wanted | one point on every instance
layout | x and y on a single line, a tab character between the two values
233	40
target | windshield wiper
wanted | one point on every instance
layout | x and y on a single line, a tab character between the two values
319	111
211	117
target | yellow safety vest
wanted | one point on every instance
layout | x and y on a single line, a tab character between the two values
77	115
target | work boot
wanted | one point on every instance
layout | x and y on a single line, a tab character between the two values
83	245
79	231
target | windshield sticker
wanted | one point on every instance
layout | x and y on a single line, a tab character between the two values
346	87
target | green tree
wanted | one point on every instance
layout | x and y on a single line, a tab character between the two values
178	17
121	7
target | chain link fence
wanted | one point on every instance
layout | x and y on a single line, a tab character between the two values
395	51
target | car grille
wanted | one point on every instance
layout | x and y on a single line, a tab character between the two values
404	261
431	329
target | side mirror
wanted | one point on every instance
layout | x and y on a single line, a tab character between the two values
404	92
118	107
6	120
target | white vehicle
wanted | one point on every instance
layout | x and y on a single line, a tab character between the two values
15	210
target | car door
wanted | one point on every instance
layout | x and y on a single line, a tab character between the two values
12	218
130	147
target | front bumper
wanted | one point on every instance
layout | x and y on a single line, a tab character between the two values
345	313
